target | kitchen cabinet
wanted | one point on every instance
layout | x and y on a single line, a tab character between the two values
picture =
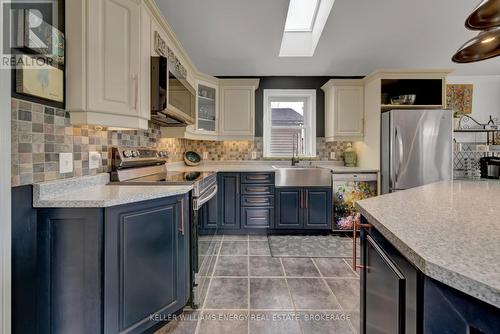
237	108
208	215
108	74
344	110
303	208
229	200
207	108
107	270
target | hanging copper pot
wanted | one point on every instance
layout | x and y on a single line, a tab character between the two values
485	16
484	46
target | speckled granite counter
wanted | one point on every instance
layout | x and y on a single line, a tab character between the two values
448	230
261	166
92	192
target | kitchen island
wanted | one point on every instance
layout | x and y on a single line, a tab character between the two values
431	255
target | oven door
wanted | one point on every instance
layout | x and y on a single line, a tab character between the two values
205	243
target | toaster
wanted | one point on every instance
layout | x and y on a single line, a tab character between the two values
490	167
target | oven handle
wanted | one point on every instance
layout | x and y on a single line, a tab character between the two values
198	202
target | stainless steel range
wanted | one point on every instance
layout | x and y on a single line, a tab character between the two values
147	167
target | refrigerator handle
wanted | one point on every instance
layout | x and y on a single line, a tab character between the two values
399	141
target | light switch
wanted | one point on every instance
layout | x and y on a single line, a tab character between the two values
205	155
94	160
65	163
254	155
332	156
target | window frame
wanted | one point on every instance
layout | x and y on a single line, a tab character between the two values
309	95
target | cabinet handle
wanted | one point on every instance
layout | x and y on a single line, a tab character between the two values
306	198
181	228
263	177
301	199
256	188
136	89
257	200
354	233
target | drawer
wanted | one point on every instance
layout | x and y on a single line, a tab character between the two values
265	178
257	189
257	217
257	200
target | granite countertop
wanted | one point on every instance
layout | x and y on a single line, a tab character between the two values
261	166
450	230
93	192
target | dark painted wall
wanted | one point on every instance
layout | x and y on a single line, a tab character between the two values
288	82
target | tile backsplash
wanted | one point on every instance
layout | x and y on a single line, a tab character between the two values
40	133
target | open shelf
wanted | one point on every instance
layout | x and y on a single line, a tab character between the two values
411	106
429	92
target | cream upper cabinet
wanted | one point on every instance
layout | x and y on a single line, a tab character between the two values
107	65
237	108
344	110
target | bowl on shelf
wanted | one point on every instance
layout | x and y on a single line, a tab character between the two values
408	99
192	158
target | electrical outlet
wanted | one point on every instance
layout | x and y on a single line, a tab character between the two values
333	156
205	155
94	160
65	163
254	155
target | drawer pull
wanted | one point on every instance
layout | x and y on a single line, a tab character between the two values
181	228
257	200
257	177
257	189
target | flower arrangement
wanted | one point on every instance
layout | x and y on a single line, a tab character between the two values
344	199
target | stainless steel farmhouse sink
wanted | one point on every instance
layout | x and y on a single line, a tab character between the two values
302	177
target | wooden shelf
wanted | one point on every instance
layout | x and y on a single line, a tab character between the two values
474	130
411	106
203	98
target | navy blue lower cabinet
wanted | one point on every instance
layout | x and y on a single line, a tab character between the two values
303	208
289	211
318	208
229	200
208	215
108	270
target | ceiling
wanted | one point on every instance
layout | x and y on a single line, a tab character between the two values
243	37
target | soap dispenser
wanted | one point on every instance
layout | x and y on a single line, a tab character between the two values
350	156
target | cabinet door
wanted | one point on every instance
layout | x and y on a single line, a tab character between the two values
146	263
229	200
383	291
349	111
289	208
237	111
207	108
318	208
114	52
209	214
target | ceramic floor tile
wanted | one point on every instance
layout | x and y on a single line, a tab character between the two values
234	248
206	265
265	266
273	323
355	321
184	323
312	294
269	294
259	248
227	322
325	323
346	291
299	267
242	237
227	294
334	267
257	237
231	266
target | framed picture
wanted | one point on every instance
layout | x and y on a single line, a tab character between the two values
39	48
459	98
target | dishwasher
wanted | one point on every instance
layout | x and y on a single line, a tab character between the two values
347	189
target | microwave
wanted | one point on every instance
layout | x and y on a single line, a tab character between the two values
173	99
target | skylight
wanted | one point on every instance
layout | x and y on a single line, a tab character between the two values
304	25
301	15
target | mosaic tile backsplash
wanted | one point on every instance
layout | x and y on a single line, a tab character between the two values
40	133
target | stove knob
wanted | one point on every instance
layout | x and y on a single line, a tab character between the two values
127	153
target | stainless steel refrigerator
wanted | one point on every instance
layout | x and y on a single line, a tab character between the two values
417	148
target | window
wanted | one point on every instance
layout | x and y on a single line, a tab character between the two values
289	123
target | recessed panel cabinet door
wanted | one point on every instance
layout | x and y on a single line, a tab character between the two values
237	111
113	52
229	200
318	208
349	111
289	208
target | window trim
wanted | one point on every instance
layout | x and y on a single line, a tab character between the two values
309	117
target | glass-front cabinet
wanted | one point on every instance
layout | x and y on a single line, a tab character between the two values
206	108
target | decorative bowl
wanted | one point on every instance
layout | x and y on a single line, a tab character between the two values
404	99
192	158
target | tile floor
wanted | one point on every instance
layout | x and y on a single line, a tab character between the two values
251	292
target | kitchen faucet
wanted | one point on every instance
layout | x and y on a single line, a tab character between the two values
295	146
